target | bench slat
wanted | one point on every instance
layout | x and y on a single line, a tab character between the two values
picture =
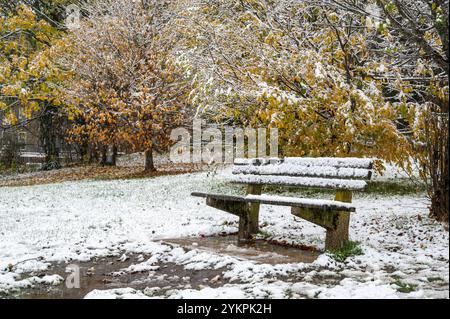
325	205
349	162
313	182
288	169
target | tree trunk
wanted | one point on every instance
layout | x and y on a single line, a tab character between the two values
439	209
104	155
111	158
114	155
149	164
439	206
438	162
93	154
48	139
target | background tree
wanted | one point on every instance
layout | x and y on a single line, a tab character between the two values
339	78
414	46
128	86
28	79
293	65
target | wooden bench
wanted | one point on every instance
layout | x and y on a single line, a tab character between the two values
341	174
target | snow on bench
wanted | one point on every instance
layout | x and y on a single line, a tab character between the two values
302	170
321	204
350	162
342	174
313	182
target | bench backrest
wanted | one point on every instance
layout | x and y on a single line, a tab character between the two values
322	172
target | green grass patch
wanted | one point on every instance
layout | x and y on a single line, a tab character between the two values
351	248
404	287
395	187
400	187
263	235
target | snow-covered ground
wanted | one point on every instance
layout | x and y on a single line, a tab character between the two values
76	221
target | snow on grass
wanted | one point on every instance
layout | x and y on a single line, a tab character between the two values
77	221
120	293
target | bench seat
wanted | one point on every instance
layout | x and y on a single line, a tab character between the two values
295	181
316	204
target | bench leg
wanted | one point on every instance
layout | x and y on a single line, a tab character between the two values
245	233
247	221
337	237
253	217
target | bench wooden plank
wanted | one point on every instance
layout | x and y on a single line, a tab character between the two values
349	162
287	169
313	182
324	205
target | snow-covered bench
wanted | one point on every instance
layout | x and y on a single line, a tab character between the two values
342	174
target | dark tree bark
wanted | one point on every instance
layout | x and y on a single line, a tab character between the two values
114	155
49	139
149	163
104	157
438	152
93	154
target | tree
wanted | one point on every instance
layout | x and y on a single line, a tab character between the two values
128	86
29	80
414	45
339	78
296	66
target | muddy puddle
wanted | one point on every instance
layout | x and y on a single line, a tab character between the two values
260	251
106	273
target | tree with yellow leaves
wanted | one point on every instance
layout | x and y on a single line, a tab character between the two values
338	78
411	39
293	65
29	80
128	87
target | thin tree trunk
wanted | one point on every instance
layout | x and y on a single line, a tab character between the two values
93	154
149	163
104	155
438	164
114	156
48	139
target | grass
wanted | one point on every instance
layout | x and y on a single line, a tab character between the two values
102	177
404	287
395	187
289	293
351	248
398	187
263	234
434	279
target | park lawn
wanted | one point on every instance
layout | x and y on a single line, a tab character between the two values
402	253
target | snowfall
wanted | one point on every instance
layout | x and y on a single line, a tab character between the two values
77	221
